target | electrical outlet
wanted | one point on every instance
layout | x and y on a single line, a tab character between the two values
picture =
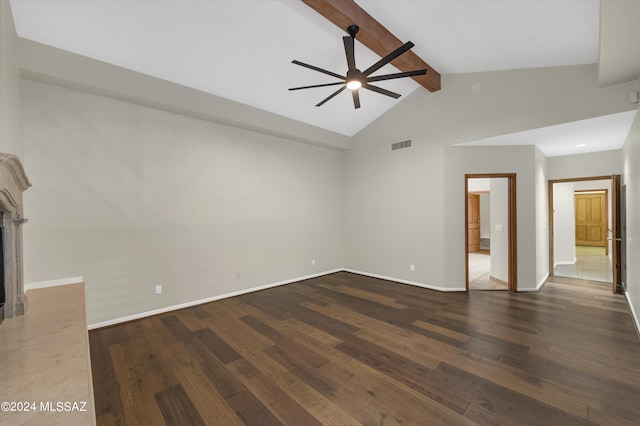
313	261
158	289
412	267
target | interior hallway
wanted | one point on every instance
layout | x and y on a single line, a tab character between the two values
592	263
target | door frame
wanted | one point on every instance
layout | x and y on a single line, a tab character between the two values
615	223
616	235
512	254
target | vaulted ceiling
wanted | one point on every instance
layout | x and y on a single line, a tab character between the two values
242	50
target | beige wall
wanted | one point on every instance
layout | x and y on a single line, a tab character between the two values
401	207
51	65
499	197
10	80
130	197
564	224
603	163
542	218
631	179
511	159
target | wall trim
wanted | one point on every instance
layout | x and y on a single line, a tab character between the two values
499	281
636	321
53	283
205	300
542	282
565	262
414	283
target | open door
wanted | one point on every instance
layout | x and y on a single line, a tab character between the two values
616	234
473	222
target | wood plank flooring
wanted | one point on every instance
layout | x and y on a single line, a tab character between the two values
344	349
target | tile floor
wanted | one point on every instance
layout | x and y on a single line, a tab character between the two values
592	264
480	271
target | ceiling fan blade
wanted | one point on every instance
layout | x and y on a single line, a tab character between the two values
356	99
333	74
348	50
396	75
390	57
331	95
317	85
381	90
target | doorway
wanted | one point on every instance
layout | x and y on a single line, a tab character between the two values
584	229
490	231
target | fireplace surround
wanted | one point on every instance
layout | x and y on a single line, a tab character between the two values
13	182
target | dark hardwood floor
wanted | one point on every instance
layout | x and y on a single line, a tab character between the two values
346	349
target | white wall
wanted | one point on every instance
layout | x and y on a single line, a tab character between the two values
604	163
542	218
499	224
564	224
10	94
485	216
511	159
631	178
131	197
479	184
55	66
393	211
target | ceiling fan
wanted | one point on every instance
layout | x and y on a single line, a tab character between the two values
355	79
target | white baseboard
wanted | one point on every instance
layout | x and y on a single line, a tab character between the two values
205	300
537	287
633	313
565	262
417	284
53	283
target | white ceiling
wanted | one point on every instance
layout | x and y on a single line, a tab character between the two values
242	49
604	133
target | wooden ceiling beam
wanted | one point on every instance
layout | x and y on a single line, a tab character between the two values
375	36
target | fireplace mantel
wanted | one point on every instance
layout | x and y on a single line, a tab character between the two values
13	182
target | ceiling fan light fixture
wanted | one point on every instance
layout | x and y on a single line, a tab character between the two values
355	79
354	85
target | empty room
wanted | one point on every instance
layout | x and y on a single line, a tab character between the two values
319	212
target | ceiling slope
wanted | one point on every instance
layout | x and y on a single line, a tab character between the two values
242	50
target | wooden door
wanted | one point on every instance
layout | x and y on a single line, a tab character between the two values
591	219
473	222
616	235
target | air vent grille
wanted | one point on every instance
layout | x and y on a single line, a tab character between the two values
401	145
